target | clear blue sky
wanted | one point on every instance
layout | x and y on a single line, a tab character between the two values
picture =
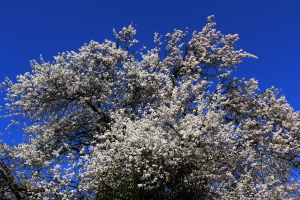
268	29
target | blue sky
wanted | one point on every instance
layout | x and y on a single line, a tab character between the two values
268	29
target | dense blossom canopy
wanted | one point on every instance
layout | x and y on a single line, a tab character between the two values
168	123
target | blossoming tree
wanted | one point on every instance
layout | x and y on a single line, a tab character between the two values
168	123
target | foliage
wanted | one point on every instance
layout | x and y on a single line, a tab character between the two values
172	123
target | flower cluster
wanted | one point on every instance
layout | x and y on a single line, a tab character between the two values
170	123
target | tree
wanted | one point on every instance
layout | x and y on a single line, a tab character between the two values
169	123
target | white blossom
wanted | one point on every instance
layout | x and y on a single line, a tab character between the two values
169	123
